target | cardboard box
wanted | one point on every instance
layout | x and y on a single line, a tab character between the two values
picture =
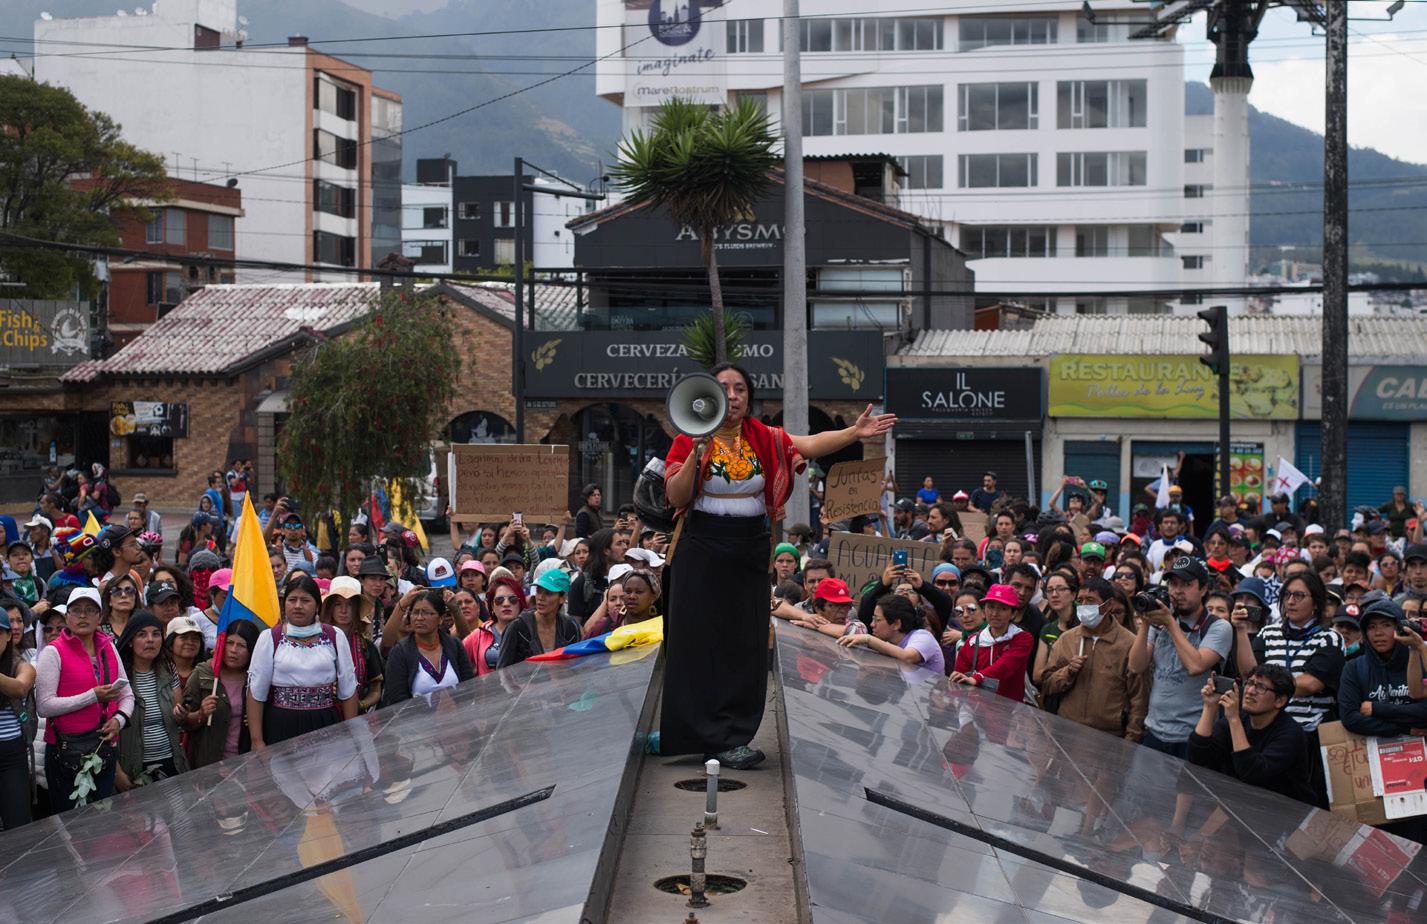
1345	764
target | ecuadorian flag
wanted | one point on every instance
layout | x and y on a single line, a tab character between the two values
636	635
253	595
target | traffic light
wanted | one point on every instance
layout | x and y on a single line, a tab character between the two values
1217	338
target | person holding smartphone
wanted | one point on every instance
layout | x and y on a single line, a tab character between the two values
1254	740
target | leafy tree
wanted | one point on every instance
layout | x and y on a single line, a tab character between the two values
707	169
367	405
64	171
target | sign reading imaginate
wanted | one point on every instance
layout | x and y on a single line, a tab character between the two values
1083	385
674	49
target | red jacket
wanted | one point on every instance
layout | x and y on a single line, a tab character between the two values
1002	661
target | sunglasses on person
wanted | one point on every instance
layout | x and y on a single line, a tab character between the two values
506	598
969	608
947	582
1124	575
125	591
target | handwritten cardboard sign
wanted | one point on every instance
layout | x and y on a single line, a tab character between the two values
973	524
1349	776
853	488
489	482
858	558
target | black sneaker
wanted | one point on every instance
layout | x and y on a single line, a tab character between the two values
740	758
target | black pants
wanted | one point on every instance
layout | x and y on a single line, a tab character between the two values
716	636
14	783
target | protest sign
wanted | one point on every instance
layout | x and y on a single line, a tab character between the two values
973	525
489	482
853	488
858	558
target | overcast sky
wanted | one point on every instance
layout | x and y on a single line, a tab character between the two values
1387	66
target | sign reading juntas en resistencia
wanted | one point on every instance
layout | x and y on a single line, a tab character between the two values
858	558
489	481
1374	392
43	335
1085	385
646	364
854	488
964	393
674	48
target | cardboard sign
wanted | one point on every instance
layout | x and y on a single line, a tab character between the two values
858	558
489	482
1378	857
853	488
1349	775
973	525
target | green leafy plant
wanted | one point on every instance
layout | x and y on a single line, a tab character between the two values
368	404
707	169
84	783
701	339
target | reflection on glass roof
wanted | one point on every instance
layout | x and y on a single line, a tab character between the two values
1054	791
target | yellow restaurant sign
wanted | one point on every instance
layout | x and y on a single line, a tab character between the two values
1091	385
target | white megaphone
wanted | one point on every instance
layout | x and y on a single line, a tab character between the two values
697	405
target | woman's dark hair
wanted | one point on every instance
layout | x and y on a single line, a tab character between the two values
597	564
363	547
363	530
589	489
1067	576
124	644
182	581
248	631
307	584
1134	568
900	611
108	592
747	379
1316	589
328	562
435	598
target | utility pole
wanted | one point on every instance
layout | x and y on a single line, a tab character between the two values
517	339
795	262
1333	493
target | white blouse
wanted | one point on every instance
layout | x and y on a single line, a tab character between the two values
423	684
294	665
715	499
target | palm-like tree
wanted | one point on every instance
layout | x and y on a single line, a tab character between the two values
707	168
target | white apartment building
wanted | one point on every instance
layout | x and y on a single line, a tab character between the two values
426	222
1052	149
307	136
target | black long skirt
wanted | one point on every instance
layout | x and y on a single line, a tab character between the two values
280	724
716	636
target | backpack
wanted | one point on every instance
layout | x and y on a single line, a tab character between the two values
329	633
650	501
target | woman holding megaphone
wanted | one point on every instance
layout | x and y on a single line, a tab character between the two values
716	633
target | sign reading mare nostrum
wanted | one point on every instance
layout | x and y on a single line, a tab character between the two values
646	364
964	393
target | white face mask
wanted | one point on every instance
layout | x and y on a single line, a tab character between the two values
307	631
1089	614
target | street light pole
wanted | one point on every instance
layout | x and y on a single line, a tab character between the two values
1333	506
795	262
517	339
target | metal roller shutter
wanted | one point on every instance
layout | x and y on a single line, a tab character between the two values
1377	459
956	465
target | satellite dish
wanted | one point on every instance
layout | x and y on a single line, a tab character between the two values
47	17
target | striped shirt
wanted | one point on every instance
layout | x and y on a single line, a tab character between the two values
10	727
1319	653
146	689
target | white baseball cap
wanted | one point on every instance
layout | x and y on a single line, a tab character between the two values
619	571
40	520
182	625
645	555
85	593
440	573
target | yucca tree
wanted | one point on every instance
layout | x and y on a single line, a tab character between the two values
707	168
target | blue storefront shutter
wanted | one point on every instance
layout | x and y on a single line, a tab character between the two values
1377	459
1091	460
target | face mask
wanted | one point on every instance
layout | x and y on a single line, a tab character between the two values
307	631
1089	614
1353	649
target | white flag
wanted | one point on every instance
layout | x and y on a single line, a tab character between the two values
1288	479
1161	494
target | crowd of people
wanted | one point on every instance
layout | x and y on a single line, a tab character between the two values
107	678
1227	647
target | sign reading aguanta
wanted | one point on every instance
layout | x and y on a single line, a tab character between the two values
1093	385
964	393
41	334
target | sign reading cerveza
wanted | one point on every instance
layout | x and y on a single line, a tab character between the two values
36	334
964	393
646	364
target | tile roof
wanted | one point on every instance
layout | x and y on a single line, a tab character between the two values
1377	338
555	305
219	330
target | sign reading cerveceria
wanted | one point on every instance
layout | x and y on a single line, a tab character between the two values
1092	385
569	364
36	334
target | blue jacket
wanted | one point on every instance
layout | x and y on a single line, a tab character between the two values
1384	681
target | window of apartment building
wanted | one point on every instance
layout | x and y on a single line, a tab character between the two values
1147	241
333	199
1092	306
983	31
220	232
873	110
328	148
426	252
1101	103
1194	299
503	214
1100	168
745	36
1092	240
336	249
434	216
870	33
1121	29
1194	190
992	106
338	100
505	251
154	230
468	247
997	170
468	211
1196	155
175	226
1194	261
981	243
163	288
1192	227
924	171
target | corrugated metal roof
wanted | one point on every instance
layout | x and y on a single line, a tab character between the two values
1378	338
217	329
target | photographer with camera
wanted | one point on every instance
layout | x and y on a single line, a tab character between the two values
1255	741
1248	617
1180	642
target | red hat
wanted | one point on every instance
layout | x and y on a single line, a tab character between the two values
999	593
1131	537
832	590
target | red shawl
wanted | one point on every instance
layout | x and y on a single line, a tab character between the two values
775	451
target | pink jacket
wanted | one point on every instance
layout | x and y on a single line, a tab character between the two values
476	644
65	682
